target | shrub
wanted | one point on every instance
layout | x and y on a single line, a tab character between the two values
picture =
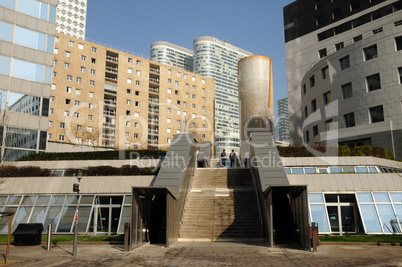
9	171
130	170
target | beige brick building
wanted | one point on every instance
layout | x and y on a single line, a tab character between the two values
105	97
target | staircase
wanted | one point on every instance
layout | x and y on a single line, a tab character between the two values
221	206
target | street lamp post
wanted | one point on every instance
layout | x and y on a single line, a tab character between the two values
76	188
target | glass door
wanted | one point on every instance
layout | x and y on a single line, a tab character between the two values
333	215
348	219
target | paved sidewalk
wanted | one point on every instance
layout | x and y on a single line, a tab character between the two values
205	254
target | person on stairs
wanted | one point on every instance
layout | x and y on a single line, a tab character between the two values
223	158
233	158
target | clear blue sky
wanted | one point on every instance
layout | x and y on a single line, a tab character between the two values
253	25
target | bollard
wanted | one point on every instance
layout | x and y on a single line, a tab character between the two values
126	236
49	237
314	236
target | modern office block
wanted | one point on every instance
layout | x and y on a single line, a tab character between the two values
104	97
26	59
71	17
215	59
283	120
343	69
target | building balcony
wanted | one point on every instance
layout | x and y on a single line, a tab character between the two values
154	80
154	100
154	90
111	80
111	69
110	103
109	125
112	59
153	121
153	111
154	71
108	136
153	141
111	87
109	113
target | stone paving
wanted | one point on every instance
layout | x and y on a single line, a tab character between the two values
204	254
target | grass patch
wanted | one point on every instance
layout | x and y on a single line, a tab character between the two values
362	238
81	238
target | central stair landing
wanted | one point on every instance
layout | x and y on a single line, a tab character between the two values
221	206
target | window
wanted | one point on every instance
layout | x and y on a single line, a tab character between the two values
193	96
83	58
315	130
193	79
339	46
318	4
51	111
54	74
77	103
357	38
137	93
349	120
355	4
137	82
91	105
169	110
176	83
370	52
69	78
89	129
66	65
138	72
169	71
322	53
135	135
93	60
94	49
76	115
305	112
376	114
193	105
327	98
168	120
53	86
78	91
187	86
68	101
375	15
130	60
136	125
62	125
83	69
67	54
169	91
66	113
203	108
325	72
329	124
373	82
400	75
313	106
55	62
129	70
61	137
91	94
176	92
137	103
52	99
203	99
179	74
138	63
49	136
306	137
129	91
136	114
128	102
356	23
128	124
68	89
398	43
344	62
127	135
71	43
336	13
203	90
79	79
347	90
93	72
193	87
312	81
56	51
178	102
92	83
169	100
187	95
128	112
193	116
178	112
304	89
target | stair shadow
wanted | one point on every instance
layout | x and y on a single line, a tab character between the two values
245	227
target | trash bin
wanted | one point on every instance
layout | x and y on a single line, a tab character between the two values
28	234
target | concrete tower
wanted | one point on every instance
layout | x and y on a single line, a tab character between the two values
255	96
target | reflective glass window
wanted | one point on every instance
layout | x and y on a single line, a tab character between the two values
370	218
315	198
42	200
361	169
22	138
127	200
381	197
28	200
3	99
348	169
14	154
38	215
6	30
125	217
48	75
71	200
331	198
27	70
319	215
5	65
24	103
310	170
53	217
30	38
396	197
297	170
373	169
3	200
388	219
117	199
398	210
86	199
8	4
22	215
14	200
83	218
364	197
323	170
50	44
52	14
335	169
66	219
57	200
33	8
287	170
4	220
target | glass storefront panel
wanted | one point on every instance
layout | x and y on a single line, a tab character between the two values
57	200
3	200
388	219
71	200
315	198
4	220
43	200
28	200
125	217
381	197
30	38
364	197
127	199
66	219
14	154
396	197
84	214
52	217
87	199
14	200
6	30
8	4
38	215
319	215
5	65
22	215
370	218
24	103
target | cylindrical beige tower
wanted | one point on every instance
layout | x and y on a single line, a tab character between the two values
255	96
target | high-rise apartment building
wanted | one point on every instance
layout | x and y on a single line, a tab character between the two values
172	55
71	17
104	97
26	59
283	120
344	72
218	60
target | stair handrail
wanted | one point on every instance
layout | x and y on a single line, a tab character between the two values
257	189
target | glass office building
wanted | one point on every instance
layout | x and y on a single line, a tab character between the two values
26	58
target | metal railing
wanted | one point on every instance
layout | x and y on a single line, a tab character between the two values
153	90
109	86
109	102
153	80
112	80
116	48
154	71
110	69
113	59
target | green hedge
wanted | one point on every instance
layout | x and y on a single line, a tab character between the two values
125	170
96	155
341	151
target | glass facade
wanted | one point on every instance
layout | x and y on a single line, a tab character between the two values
361	212
97	214
32	8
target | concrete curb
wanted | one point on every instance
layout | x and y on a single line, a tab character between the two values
362	243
